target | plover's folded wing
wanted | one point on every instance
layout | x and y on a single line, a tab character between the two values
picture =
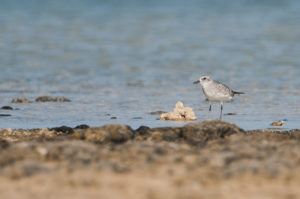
222	88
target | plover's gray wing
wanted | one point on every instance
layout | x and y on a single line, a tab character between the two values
222	88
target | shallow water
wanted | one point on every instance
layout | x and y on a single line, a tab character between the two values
125	59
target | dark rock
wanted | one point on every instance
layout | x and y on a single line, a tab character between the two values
203	131
142	130
63	129
62	99
230	113
44	99
6	108
109	133
137	118
113	118
165	133
20	100
4	144
119	133
52	99
5	115
157	112
82	126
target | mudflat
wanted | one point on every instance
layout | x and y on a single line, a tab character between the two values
207	159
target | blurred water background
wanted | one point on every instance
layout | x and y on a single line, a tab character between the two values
124	59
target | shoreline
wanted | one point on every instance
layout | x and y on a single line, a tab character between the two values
211	159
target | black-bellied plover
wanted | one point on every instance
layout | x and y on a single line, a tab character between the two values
215	91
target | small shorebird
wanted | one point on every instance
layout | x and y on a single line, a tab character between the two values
215	91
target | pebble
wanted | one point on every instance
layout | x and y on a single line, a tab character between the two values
230	113
52	99
5	115
63	129
6	108
82	126
157	112
278	123
20	100
137	118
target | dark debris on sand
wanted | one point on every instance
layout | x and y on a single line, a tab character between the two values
20	100
52	99
7	108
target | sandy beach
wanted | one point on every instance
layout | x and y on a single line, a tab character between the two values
207	159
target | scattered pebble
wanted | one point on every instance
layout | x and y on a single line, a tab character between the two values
230	113
5	115
20	100
137	118
63	129
52	99
6	108
157	112
278	123
142	130
82	126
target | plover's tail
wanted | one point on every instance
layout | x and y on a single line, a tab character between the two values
237	93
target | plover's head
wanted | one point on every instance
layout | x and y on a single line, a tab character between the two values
203	80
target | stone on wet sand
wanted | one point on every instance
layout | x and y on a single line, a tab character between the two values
7	108
157	112
180	113
63	129
20	100
82	126
52	99
5	115
277	123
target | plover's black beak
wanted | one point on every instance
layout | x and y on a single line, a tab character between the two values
196	82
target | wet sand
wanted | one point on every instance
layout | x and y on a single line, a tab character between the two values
208	159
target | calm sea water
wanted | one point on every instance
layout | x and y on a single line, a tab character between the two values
125	59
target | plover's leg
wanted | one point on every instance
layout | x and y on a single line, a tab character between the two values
209	110
221	111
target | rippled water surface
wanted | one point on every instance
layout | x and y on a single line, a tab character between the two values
125	59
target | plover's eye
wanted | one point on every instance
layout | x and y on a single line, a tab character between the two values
204	78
